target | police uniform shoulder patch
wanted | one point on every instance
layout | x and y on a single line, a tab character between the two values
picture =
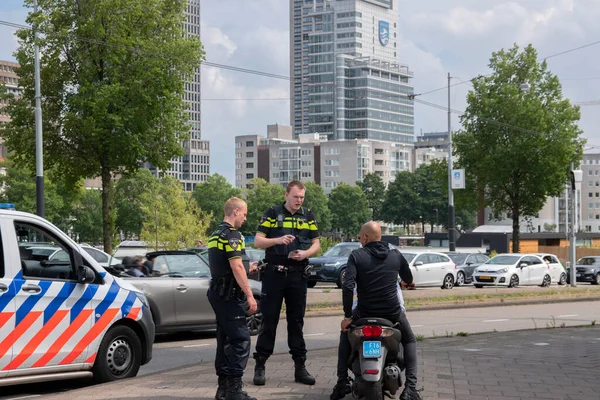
234	243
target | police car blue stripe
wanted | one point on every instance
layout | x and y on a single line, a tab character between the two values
88	295
110	297
31	301
13	288
102	274
128	303
60	298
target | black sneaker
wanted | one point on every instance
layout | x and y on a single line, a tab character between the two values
341	389
410	394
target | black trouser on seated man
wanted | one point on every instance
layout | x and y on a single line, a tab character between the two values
277	286
409	343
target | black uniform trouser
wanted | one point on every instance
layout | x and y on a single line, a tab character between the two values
409	343
233	338
277	286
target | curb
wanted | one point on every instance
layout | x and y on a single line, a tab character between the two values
316	313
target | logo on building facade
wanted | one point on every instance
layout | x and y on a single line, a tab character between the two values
384	33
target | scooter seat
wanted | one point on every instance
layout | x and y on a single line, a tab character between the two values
373	321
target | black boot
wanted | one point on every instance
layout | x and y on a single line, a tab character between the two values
259	372
301	374
222	389
410	394
234	390
341	389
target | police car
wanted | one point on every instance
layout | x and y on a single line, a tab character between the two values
64	318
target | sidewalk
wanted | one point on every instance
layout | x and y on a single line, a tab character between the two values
524	365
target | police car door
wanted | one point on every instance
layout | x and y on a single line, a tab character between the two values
7	311
53	312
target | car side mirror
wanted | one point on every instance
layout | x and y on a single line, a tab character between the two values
418	263
85	274
523	265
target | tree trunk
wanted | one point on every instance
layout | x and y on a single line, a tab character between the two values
107	217
480	206
516	230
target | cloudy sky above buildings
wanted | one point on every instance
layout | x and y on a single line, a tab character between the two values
435	37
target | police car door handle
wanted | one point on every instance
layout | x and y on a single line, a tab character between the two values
182	288
31	288
3	288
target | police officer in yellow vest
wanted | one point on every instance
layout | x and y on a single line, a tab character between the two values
228	292
290	236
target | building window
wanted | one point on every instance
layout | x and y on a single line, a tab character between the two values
590	194
250	165
249	176
238	155
238	145
249	154
275	164
250	143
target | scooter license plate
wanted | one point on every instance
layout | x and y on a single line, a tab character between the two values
372	349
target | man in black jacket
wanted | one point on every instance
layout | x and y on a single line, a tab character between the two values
373	270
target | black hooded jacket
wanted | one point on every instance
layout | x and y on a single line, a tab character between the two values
374	270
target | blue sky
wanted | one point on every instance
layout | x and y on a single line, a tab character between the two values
436	37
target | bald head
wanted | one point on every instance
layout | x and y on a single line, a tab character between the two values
370	232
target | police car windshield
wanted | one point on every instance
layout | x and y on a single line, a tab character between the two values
187	265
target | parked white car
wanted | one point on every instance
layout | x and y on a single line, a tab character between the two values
512	270
557	271
431	269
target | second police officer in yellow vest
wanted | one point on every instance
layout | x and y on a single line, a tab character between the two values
290	236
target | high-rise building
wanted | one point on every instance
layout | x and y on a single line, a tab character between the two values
10	79
346	80
193	167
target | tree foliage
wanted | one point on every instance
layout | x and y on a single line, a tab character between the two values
86	224
112	79
130	193
350	209
518	143
212	195
401	204
19	188
180	222
374	188
316	199
260	197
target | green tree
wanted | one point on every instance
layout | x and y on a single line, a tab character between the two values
212	195
86	224
180	222
518	142
401	204
131	191
316	199
260	197
113	75
432	196
350	209
18	187
374	188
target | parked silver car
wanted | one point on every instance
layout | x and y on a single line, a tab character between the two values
176	291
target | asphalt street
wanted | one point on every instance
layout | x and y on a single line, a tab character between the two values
174	351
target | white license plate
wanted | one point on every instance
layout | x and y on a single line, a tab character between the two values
372	349
578	275
313	272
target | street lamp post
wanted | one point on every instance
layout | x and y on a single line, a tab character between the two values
39	153
436	218
451	236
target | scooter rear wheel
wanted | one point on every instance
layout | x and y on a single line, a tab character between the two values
373	391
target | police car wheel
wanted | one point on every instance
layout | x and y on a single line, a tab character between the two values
119	355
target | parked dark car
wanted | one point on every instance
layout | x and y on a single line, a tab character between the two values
587	269
331	266
465	265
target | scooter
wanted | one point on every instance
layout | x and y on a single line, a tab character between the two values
376	360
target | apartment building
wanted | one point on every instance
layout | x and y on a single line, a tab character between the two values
10	80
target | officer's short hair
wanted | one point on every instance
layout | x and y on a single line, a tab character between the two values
232	204
295	183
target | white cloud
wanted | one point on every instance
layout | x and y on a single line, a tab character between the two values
216	42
